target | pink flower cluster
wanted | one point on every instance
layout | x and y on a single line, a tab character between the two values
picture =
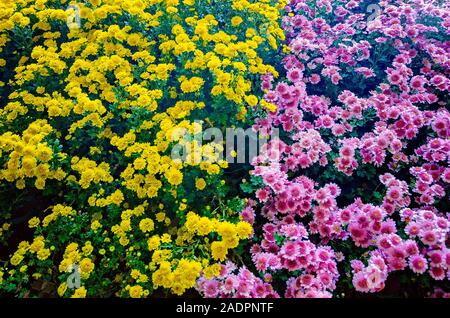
427	178
429	228
441	123
365	222
346	162
397	194
432	230
359	95
307	149
435	150
374	146
439	293
393	254
235	283
370	278
285	247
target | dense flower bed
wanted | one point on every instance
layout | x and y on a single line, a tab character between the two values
354	192
358	184
89	115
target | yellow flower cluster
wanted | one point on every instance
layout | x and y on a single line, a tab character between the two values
75	259
5	227
191	85
57	211
28	156
36	247
229	232
181	275
90	172
178	280
116	198
122	229
71	257
137	291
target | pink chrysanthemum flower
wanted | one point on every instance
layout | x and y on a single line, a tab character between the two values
418	264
